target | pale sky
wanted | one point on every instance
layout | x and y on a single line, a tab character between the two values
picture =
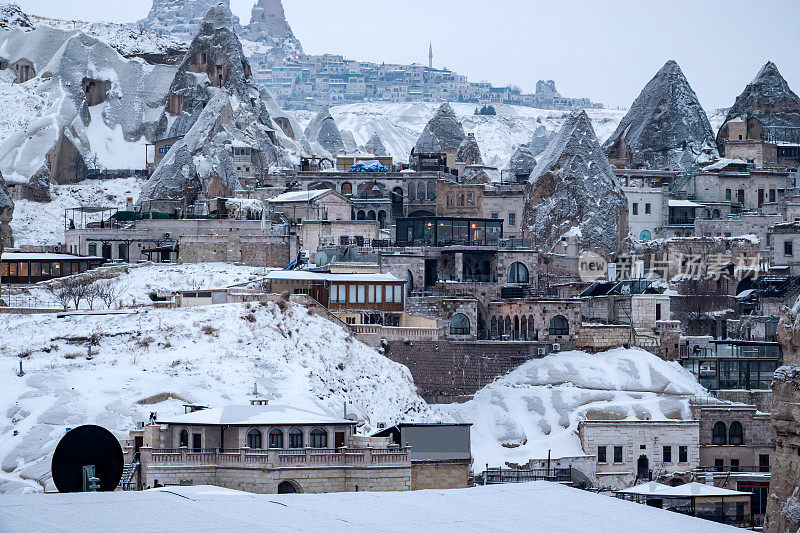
605	50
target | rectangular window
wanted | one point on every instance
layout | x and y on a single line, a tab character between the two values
334	293
601	454
93	250
398	297
667	454
342	294
683	454
719	465
350	320
389	294
495	214
787	248
647	209
352	294
728	194
371	294
763	463
379	294
635	208
512	219
658	311
772	195
361	298
734	465
617	454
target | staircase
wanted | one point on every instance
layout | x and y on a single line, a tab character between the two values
128	472
685	177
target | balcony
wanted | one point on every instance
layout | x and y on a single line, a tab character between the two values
276	458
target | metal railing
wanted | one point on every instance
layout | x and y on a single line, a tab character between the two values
503	475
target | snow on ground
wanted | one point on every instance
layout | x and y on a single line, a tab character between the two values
400	124
537	506
21	104
43	223
537	407
138	281
110	149
155	360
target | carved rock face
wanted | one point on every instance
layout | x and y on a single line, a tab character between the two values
443	133
6	213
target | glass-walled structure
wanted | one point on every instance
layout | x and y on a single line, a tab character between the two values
448	231
733	364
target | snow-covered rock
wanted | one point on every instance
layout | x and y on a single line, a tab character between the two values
540	140
158	359
375	146
768	99
268	25
469	152
6	214
536	408
522	161
665	128
443	133
323	133
180	17
99	106
573	190
13	18
546	88
349	141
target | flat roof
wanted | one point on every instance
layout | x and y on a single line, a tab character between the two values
305	275
253	415
36	256
298	196
683	203
689	490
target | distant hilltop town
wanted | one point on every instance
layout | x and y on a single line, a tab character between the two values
302	81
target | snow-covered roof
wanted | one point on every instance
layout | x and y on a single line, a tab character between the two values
326	276
253	415
688	490
298	196
683	203
35	256
724	162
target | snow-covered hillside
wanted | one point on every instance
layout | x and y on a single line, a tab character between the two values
158	359
400	124
37	223
536	408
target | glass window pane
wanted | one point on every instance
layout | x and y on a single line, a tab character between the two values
389	294
334	293
397	296
352	294
445	232
379	294
361	294
371	294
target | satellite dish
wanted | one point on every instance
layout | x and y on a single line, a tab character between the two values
87	446
321	258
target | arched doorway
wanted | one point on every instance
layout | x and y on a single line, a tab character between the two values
382	218
409	282
289	487
397	202
643	467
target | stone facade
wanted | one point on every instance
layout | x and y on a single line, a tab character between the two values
758	437
252	250
638	449
506	202
439	475
314	234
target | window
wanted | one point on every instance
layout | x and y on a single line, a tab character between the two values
772	195
295	438
470	199
683	454
787	248
371	294
719	434
398	297
334	293
667	454
719	465
361	298
658	311
184	439
635	207
517	273
734	465
319	438
763	463
378	294
254	439
350	320
275	438
647	209
601	454
559	326
342	293
617	454
512	219
93	249
459	324
461	200
495	214
645	236
736	434
728	195
352	294
389	294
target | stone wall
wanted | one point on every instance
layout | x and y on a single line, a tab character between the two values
252	250
439	475
446	371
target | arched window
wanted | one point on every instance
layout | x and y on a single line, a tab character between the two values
431	191
516	328
645	235
706	213
507	325
288	487
459	324
523	327
500	326
736	434
720	434
382	218
715	213
531	328
449	200
517	273
184	439
421	192
254	439
295	438
411	192
559	326
318	438
347	188
494	325
371	215
275	438
361	215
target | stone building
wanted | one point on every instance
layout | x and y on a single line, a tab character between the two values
321	204
252	250
734	437
648	211
265	449
315	235
743	187
639	450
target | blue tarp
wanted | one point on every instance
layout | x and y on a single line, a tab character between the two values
369	166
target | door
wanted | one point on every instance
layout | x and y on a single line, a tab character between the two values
338	439
740	196
643	468
138	442
430	272
760	197
196	442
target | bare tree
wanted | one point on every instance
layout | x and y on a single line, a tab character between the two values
110	290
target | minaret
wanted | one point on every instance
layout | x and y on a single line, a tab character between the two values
430	56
